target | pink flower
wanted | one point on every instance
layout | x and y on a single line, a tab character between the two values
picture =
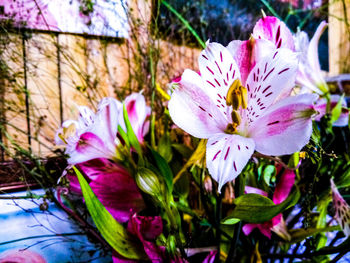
95	135
113	186
342	210
309	74
237	119
282	191
21	256
146	229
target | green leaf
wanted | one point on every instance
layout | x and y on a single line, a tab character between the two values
254	208
130	133
164	147
111	230
164	169
230	221
300	234
294	160
337	110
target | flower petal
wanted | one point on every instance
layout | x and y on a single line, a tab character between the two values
247	53
138	112
273	29
272	78
89	146
227	155
218	70
147	228
342	210
312	53
284	186
286	127
321	106
114	187
86	117
248	228
192	109
253	190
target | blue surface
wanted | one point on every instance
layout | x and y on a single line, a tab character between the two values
22	219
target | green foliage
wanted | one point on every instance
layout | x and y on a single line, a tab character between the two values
112	231
254	208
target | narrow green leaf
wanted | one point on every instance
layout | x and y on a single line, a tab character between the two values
164	147
300	234
130	133
337	110
124	136
164	170
254	208
111	230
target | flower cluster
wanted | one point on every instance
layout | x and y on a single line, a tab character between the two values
254	104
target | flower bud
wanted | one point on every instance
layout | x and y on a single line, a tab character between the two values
171	245
148	182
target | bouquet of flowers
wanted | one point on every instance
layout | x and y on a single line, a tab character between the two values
240	166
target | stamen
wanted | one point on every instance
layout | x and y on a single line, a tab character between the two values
237	95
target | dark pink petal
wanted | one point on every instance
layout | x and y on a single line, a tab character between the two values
227	155
247	53
248	228
272	78
218	70
265	229
284	186
286	127
211	257
191	107
114	187
274	30
147	229
321	106
342	210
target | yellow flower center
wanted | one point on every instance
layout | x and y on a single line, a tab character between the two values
237	96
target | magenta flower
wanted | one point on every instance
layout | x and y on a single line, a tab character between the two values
342	210
237	119
282	191
113	186
146	229
309	74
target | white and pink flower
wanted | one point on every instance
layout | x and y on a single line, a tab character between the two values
266	120
94	135
309	75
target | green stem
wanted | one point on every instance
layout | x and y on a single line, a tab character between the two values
185	22
269	7
239	190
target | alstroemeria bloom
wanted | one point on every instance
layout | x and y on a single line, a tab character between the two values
95	135
237	119
113	186
342	210
309	75
282	191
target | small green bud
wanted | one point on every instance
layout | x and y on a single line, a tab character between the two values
148	182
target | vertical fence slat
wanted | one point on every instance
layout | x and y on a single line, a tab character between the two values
14	95
44	92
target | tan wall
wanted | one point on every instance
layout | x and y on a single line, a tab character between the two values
80	72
